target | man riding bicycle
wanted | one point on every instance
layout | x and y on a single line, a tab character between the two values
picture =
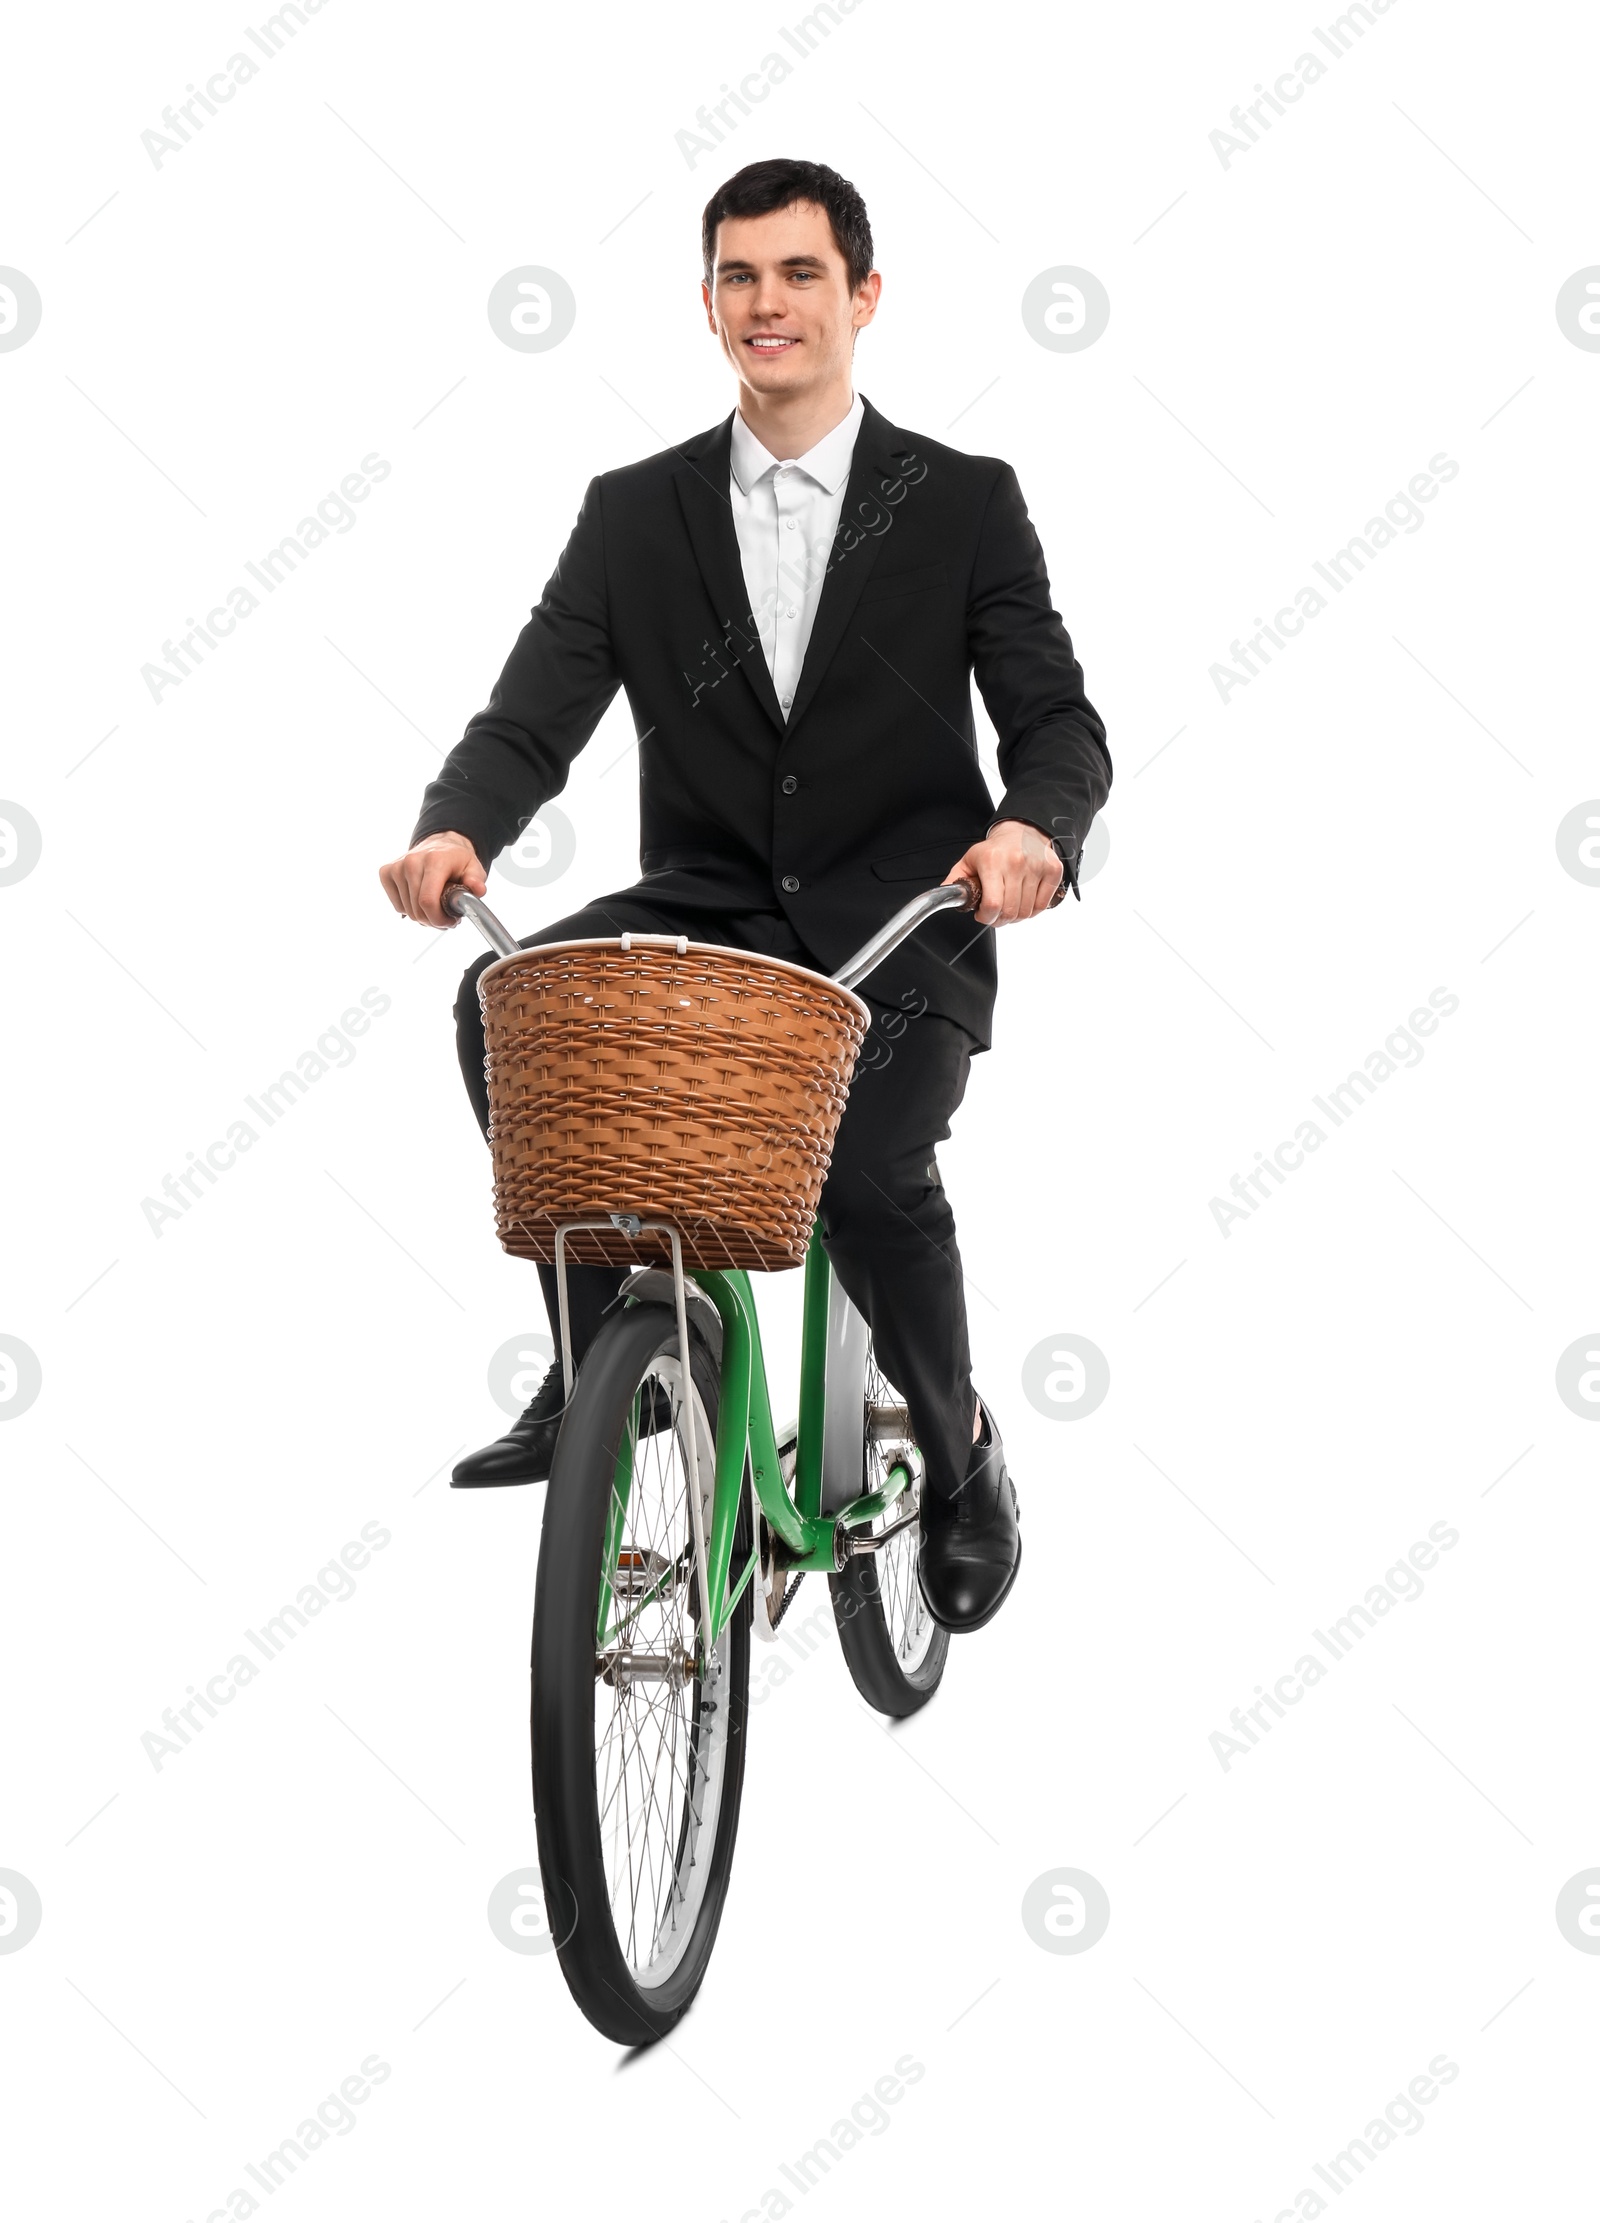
796	603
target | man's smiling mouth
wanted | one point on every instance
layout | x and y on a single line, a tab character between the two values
770	343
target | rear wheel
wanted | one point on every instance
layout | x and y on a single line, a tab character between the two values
893	1647
638	1746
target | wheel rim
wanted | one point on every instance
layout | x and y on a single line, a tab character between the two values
911	1629
660	1730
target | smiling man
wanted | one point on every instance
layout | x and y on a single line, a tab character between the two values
796	604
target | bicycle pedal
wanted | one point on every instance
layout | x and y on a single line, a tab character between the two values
637	1572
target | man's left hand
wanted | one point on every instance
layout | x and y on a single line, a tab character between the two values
1015	870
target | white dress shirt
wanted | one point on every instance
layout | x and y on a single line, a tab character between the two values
786	515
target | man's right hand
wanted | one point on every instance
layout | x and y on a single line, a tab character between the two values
415	882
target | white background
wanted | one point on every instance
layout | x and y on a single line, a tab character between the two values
225	1404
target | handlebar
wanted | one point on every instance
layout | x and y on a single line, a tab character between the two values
954	895
461	905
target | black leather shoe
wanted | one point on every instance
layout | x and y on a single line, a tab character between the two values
971	1544
525	1453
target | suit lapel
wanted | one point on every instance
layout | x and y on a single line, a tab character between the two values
702	486
849	567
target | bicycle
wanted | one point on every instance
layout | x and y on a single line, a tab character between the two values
678	1522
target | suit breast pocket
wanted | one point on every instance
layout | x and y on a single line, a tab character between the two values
922	580
927	865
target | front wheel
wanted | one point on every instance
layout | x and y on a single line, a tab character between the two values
893	1647
638	1745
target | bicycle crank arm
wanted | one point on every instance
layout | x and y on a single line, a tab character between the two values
861	1547
850	1533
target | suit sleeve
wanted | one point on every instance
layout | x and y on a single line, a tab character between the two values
557	684
1053	755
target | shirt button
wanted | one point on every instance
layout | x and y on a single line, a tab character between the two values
791	885
788	524
791	611
790	784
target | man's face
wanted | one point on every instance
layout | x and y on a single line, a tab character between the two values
780	301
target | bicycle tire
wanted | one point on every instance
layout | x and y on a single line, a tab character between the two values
634	1978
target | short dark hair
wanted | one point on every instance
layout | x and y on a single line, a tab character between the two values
761	187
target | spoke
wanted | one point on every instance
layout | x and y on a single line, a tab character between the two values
906	1622
670	1836
657	1752
627	1722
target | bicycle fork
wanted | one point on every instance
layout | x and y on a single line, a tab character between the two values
633	1226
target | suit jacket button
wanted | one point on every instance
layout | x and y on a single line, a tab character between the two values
791	885
790	784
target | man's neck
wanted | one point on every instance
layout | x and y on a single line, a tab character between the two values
790	425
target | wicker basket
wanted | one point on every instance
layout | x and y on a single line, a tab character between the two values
668	1079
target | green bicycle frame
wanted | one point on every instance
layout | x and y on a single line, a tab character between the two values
809	1540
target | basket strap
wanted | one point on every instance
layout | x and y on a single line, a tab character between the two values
680	942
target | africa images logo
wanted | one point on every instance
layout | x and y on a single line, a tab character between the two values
1401	1047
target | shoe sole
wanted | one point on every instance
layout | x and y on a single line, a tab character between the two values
496	1481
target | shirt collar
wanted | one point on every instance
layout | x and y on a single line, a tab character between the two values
828	463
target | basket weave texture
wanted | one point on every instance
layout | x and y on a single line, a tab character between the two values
697	1084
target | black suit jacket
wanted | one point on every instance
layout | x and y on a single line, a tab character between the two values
872	787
